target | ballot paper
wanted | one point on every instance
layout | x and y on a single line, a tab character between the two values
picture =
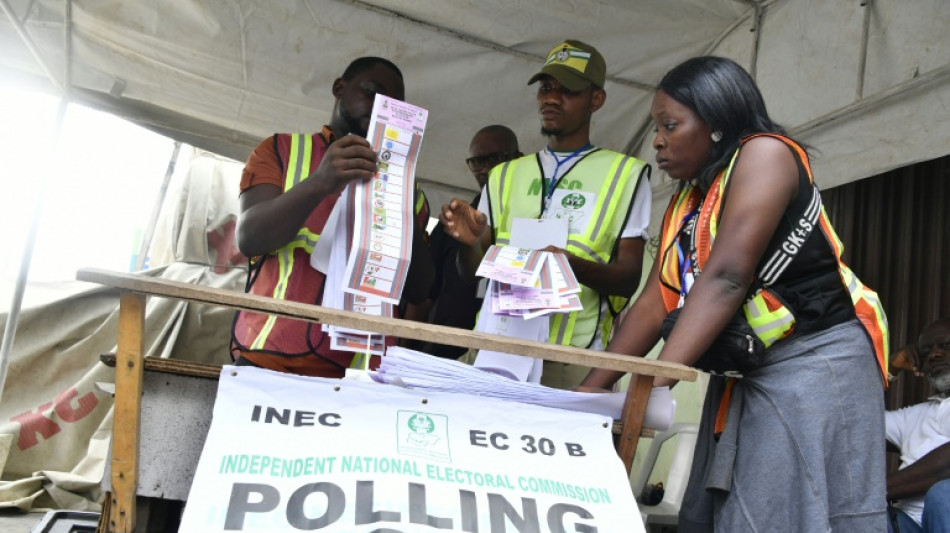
524	286
417	370
529	282
517	266
334	249
383	214
366	244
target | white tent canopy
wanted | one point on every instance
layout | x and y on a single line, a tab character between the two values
865	83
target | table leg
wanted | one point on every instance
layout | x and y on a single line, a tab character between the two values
634	408
126	412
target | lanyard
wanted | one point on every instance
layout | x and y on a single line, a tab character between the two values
683	256
555	179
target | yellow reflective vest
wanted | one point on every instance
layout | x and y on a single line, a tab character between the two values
515	190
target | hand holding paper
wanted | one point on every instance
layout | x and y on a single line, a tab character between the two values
349	159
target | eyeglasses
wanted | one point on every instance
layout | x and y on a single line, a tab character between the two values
488	161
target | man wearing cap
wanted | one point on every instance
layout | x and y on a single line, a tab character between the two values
604	196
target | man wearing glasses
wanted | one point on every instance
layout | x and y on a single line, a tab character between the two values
595	200
453	301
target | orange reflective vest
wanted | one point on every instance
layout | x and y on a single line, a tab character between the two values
286	274
768	316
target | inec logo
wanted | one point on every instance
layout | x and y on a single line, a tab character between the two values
423	435
421	424
573	201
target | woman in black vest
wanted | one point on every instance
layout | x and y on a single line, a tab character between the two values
796	444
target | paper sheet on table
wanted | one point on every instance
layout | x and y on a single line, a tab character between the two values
418	370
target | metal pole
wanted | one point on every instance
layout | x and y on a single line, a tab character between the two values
9	330
13	317
156	209
863	59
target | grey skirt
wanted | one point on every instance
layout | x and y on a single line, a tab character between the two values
803	449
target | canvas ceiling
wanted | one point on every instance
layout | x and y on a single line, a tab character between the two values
866	83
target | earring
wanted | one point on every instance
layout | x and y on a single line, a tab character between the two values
716	136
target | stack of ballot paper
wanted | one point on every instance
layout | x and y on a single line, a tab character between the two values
529	283
417	370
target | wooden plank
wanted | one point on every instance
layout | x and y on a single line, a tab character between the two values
388	326
126	422
173	366
635	406
105	515
211	371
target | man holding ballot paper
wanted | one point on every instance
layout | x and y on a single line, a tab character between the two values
289	188
589	204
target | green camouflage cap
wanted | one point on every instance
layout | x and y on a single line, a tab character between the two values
575	65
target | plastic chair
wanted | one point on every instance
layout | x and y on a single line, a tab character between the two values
667	511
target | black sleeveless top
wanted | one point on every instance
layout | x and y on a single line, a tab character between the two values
811	285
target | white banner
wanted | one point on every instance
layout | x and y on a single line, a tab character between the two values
293	453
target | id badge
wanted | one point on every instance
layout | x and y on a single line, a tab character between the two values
577	207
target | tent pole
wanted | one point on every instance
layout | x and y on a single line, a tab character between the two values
863	60
9	331
13	317
156	209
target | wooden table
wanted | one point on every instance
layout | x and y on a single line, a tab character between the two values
130	364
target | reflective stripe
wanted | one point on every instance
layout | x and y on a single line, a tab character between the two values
499	222
285	261
769	325
717	207
305	239
609	197
298	160
589	252
421	201
304	165
360	361
562	327
298	168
